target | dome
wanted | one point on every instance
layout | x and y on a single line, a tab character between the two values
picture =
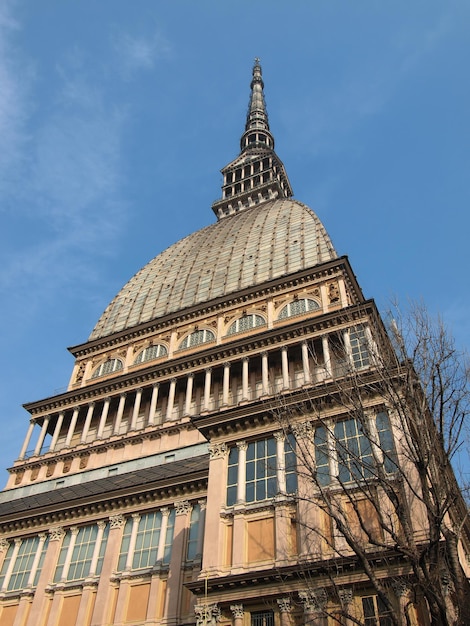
270	240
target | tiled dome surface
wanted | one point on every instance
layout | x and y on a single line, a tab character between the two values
267	241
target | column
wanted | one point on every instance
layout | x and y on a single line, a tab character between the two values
27	439
281	466
103	418
105	589
207	388
182	510
241	483
165	511
245	362
326	355
238	614
305	363
265	373
73	423
136	409
96	550
68	558
214	532
132	540
285	608
347	348
37	557
314	603
56	434
171	399
42	435
37	612
153	403
226	384
189	394
346	598
6	580
120	411
285	368
88	418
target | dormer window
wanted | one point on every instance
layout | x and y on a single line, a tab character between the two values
298	307
150	353
197	338
108	367
245	323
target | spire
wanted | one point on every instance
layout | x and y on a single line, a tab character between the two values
257	117
257	175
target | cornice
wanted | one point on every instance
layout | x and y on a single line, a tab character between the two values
297	329
125	336
96	506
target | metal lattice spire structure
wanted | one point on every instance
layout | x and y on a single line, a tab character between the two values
257	174
257	117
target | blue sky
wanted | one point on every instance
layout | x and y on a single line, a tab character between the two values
116	117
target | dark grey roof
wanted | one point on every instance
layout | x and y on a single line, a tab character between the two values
157	477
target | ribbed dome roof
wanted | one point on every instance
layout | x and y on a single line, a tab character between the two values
267	241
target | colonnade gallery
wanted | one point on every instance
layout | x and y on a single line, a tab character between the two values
182	477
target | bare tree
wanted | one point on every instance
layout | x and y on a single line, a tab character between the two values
377	492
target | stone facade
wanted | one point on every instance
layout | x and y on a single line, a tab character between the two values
135	498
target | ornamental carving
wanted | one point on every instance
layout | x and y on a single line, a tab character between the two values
207	614
400	586
333	293
218	450
4	544
57	533
345	596
84	461
314	600
303	430
182	508
284	604
116	521
237	610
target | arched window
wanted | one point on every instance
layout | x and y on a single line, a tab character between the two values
109	366
297	307
150	353
245	323
196	338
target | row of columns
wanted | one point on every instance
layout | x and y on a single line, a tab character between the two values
28	613
189	391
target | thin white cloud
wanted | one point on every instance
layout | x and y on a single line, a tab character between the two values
136	53
13	104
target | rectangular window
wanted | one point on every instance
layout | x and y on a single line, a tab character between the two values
290	464
193	532
386	442
262	618
353	450
375	612
359	347
322	457
232	476
261	470
82	553
147	541
23	563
